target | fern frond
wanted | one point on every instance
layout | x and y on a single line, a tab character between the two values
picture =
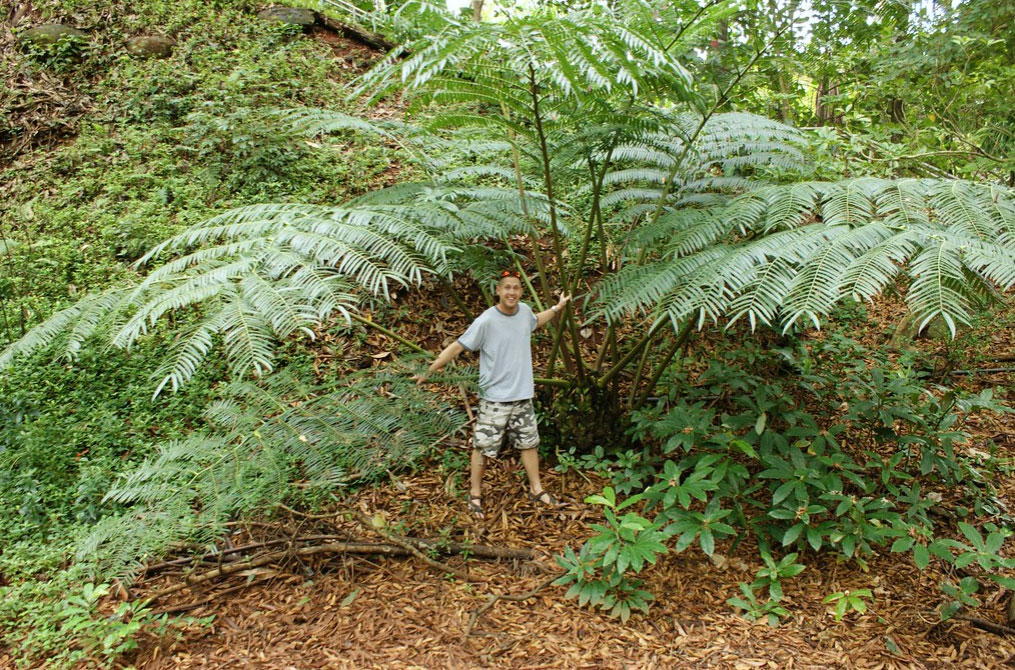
73	325
267	441
281	268
574	55
936	290
792	252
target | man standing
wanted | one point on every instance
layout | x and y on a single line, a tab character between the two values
502	335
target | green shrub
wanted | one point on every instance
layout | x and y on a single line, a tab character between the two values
824	447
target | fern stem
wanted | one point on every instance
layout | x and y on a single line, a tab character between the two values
685	334
457	299
638	372
487	296
691	139
635	350
691	22
601	355
537	117
594	214
537	254
390	333
567	317
559	383
603	259
558	337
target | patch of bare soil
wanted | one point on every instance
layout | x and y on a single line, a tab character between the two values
38	109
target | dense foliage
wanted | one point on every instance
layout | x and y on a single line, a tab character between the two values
627	154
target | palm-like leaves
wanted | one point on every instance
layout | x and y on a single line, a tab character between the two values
729	155
552	102
573	55
953	240
259	274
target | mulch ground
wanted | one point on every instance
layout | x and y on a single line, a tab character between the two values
350	612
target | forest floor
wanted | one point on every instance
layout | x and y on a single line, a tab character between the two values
344	611
375	612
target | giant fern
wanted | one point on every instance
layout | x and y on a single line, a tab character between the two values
266	441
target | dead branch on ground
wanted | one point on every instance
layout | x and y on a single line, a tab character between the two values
493	598
405	544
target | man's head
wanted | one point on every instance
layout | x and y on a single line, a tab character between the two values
509	289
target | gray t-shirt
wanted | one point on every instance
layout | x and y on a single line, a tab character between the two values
505	353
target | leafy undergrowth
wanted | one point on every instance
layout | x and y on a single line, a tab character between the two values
134	150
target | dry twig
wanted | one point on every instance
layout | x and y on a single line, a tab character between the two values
493	598
989	626
405	544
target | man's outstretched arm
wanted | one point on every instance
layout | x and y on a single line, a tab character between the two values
449	354
546	316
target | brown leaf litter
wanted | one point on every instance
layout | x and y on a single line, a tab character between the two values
355	612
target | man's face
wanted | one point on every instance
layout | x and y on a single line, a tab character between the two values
509	290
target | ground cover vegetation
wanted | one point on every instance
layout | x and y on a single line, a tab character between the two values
624	154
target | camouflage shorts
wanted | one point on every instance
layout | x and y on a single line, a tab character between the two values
514	420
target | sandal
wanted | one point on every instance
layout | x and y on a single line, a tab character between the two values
476	506
544	497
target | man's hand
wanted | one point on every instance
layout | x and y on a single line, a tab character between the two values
546	316
449	354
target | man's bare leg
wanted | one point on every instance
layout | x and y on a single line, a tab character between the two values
530	459
477	467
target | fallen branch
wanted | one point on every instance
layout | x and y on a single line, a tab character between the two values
365	37
480	550
235	550
304	515
980	371
186	607
360	547
493	598
393	549
225	570
989	626
405	544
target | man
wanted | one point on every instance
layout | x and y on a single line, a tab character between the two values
502	335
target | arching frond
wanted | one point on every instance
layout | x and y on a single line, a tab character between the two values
937	287
267	441
70	326
791	253
259	274
581	54
723	161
